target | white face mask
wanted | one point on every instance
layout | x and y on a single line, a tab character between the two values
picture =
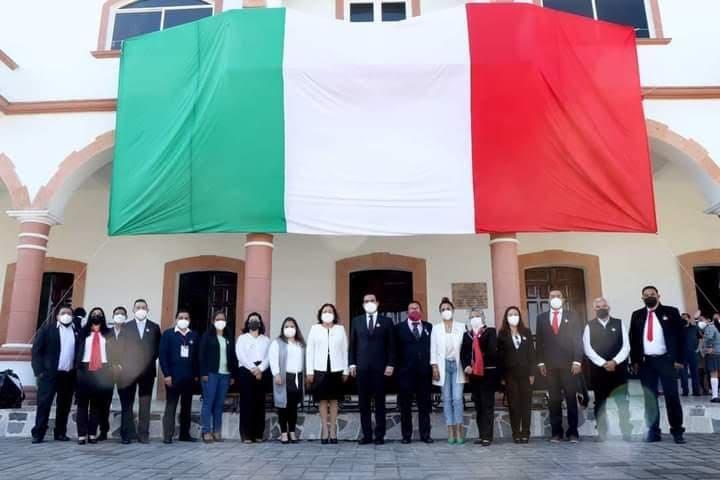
183	324
141	314
370	307
446	314
65	319
220	324
701	325
513	320
327	317
289	332
476	323
119	319
556	303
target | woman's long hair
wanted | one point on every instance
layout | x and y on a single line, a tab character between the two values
298	334
87	329
505	329
246	327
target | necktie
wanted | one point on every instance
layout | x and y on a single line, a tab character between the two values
371	324
95	358
416	330
555	323
650	322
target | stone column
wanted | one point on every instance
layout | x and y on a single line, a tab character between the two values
505	274
258	276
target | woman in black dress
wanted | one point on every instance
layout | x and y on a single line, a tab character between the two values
327	367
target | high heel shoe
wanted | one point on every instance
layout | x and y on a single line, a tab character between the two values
324	441
333	441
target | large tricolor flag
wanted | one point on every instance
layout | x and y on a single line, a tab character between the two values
483	118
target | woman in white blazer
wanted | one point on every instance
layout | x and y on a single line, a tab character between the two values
327	367
445	343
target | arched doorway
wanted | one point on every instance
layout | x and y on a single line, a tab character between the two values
396	278
577	274
700	276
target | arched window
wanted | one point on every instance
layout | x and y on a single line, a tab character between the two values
145	16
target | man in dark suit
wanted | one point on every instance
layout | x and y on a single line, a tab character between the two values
657	351
139	348
414	373
53	362
607	347
113	348
559	353
371	359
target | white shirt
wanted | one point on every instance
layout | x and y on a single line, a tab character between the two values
252	349
560	322
323	342
88	348
293	362
517	340
657	346
141	327
116	332
368	316
67	347
450	347
594	357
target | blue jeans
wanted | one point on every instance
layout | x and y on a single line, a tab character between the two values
214	391
452	393
691	363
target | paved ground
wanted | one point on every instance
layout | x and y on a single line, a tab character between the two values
539	460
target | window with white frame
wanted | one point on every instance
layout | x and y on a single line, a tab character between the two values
625	12
377	10
145	16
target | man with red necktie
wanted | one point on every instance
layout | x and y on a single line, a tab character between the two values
559	351
657	351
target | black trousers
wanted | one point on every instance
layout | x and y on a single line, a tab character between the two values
50	386
418	386
104	423
182	392
562	384
651	370
371	386
483	395
519	393
252	406
144	387
608	385
287	417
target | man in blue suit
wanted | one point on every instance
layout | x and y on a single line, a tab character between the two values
371	359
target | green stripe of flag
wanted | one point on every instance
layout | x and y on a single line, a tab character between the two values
200	128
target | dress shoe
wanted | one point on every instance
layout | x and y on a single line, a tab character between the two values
217	437
365	441
125	441
483	442
333	441
524	440
516	440
62	438
556	439
428	440
573	438
715	400
92	441
379	441
102	437
405	441
166	441
187	438
325	441
143	440
679	439
82	441
653	437
38	440
207	438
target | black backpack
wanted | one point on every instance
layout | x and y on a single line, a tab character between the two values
11	390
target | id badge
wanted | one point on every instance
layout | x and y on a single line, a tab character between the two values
184	351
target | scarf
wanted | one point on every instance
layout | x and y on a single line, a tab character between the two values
478	366
95	356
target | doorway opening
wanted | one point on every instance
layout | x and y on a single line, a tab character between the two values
56	291
393	289
205	293
539	282
707	289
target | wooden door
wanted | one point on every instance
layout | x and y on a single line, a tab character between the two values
538	283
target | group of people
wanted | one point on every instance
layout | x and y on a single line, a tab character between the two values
91	360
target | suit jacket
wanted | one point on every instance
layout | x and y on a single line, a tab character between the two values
514	362
672	328
412	354
488	345
209	354
372	351
137	355
561	350
46	349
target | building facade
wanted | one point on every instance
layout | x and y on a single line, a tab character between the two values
59	66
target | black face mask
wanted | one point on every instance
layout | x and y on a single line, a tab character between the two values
95	320
603	313
254	325
651	302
